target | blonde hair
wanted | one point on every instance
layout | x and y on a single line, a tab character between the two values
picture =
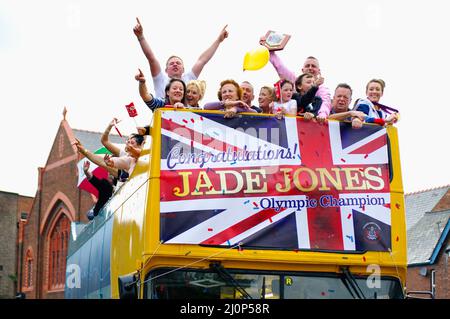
270	90
379	81
200	85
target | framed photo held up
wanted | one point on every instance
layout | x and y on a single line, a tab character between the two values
275	41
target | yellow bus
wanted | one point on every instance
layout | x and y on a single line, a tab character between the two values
251	207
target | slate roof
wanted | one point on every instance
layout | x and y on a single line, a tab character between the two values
424	228
418	203
423	237
91	140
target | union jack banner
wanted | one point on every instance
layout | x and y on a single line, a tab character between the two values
273	184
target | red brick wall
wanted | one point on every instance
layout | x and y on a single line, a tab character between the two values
417	282
8	250
24	204
30	242
57	190
444	203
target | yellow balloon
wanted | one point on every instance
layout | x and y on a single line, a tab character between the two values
256	59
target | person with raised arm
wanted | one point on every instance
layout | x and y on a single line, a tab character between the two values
174	65
122	159
95	158
175	94
308	104
311	66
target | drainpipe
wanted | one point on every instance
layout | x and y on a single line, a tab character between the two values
446	283
39	260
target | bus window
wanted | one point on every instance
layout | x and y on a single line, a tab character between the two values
207	284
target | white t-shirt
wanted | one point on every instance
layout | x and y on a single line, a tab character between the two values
289	107
124	162
160	81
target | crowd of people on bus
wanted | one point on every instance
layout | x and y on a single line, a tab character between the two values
304	95
298	95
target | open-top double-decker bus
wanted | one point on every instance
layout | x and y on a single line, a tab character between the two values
250	207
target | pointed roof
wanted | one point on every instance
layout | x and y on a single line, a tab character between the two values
426	237
418	203
426	229
91	140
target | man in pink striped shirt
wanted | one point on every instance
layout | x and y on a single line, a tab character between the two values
310	66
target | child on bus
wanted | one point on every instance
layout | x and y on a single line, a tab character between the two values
285	103
308	104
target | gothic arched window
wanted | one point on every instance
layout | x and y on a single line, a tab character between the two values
58	252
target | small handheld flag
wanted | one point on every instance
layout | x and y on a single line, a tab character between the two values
132	112
277	87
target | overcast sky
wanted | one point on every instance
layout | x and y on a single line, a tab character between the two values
83	55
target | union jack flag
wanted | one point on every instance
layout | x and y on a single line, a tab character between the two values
220	178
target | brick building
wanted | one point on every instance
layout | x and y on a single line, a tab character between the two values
14	209
428	228
57	203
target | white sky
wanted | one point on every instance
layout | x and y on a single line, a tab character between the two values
83	55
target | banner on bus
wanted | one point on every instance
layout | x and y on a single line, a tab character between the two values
277	184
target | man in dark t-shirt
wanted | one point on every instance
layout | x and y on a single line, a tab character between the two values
340	106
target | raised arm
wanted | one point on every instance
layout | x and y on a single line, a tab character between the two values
96	159
105	139
283	72
152	102
155	67
143	91
208	54
86	166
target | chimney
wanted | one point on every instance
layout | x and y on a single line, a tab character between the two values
444	203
